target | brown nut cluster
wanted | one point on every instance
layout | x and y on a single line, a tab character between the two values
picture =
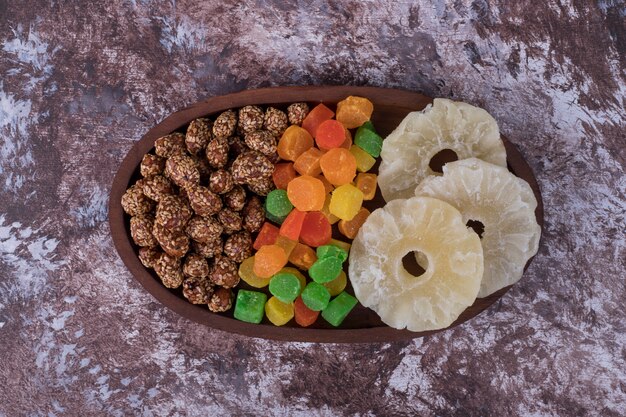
199	133
251	166
225	124
199	201
276	121
155	187
261	141
170	145
151	165
296	113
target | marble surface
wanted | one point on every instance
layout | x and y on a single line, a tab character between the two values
80	82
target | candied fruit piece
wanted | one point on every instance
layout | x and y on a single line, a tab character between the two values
286	244
269	260
369	141
347	141
246	273
298	274
337	285
353	111
285	286
293	143
283	173
250	306
343	245
350	228
332	219
338	166
267	236
325	269
326	251
316	117
278	312
292	225
364	161
367	184
339	308
277	203
315	296
309	162
316	229
306	193
304	315
330	134
328	187
302	256
346	201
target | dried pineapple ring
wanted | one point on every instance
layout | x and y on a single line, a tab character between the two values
406	154
503	203
452	277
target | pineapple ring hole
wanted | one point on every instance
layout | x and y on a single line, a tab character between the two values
476	226
441	158
415	263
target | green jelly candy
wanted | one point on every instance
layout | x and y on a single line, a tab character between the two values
325	269
327	251
338	309
285	287
250	306
369	141
277	203
315	296
369	126
275	219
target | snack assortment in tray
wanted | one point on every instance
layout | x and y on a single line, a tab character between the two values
260	210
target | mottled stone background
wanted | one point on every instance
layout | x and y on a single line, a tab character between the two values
80	82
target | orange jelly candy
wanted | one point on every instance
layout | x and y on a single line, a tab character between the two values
367	184
268	260
354	111
338	166
293	143
327	186
293	224
283	173
316	117
267	236
330	134
303	256
349	228
309	162
347	141
332	219
304	315
316	230
306	193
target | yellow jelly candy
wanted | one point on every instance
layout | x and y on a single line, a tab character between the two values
364	161
346	201
286	244
367	183
337	285
332	219
297	273
246	273
277	312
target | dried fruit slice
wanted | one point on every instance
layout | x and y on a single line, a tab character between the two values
503	203
466	130
452	277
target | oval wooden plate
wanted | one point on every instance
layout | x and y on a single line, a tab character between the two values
362	325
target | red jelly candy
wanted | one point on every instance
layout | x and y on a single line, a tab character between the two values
283	173
267	236
316	230
292	225
330	134
304	315
316	117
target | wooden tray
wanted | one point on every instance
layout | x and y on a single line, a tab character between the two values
362	325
